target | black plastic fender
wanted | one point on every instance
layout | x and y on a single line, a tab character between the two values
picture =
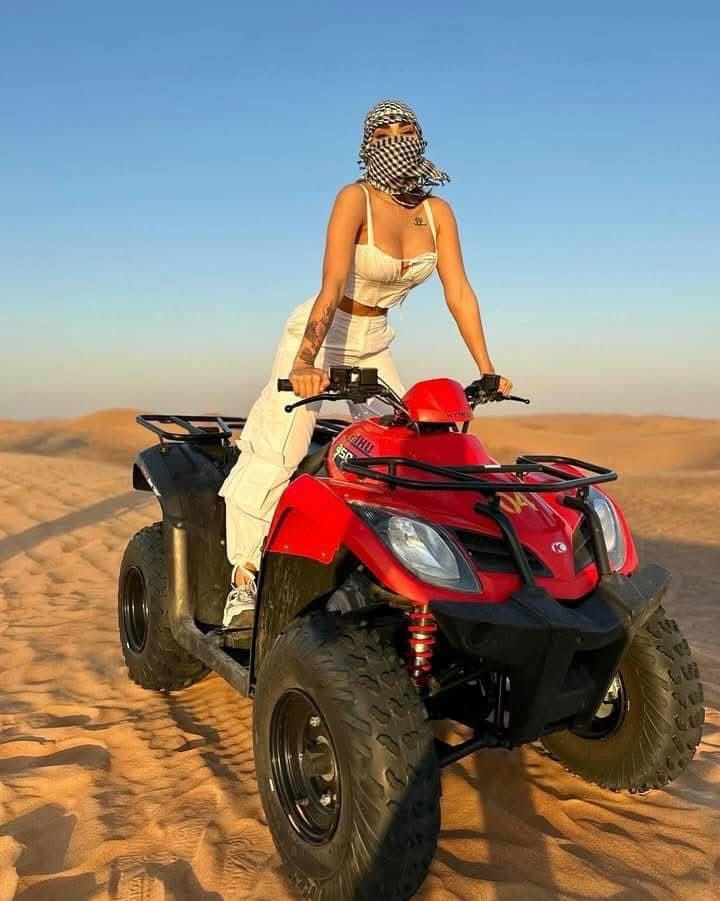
186	478
290	586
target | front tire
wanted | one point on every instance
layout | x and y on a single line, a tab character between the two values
346	765
646	735
154	659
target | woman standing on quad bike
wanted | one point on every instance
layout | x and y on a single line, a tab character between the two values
386	235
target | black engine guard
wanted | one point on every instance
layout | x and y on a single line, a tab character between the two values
561	658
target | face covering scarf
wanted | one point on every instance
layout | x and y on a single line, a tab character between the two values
396	164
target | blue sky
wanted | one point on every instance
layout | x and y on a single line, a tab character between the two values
167	169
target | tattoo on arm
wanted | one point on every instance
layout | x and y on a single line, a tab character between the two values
315	332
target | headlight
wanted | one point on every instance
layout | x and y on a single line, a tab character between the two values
425	550
611	528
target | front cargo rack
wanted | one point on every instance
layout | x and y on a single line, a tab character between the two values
469	478
214	429
465	478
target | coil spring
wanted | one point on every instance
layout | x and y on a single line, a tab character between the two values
421	640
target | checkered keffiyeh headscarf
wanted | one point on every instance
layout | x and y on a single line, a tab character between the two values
396	164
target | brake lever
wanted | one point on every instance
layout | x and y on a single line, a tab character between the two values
496	397
521	400
311	400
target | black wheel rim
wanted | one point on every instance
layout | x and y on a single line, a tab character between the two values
610	715
135	609
304	765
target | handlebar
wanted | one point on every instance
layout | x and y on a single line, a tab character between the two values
358	384
485	390
354	383
356	379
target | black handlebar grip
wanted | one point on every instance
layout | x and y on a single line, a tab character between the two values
284	385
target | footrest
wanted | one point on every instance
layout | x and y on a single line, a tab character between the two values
235	638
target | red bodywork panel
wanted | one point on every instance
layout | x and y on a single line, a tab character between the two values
314	519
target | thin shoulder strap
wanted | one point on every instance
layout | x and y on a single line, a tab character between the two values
431	221
371	231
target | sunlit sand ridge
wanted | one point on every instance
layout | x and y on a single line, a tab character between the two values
107	791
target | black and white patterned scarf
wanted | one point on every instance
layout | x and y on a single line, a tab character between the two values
396	164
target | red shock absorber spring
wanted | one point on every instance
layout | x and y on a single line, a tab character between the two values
421	640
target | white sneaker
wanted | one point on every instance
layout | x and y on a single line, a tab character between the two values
240	606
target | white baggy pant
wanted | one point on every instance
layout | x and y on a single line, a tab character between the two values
274	442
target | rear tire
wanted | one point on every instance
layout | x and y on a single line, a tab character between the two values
154	659
333	687
659	721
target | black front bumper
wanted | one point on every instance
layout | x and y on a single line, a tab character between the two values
560	657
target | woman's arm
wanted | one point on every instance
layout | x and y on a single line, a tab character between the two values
459	295
345	220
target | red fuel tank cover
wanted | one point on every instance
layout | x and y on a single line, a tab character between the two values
438	400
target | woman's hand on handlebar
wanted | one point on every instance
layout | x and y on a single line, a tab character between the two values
505	386
307	380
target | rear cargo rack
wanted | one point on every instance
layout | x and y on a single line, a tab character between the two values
219	431
213	429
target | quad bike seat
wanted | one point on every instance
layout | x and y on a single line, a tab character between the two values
313	463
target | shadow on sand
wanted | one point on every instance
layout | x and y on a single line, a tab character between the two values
25	541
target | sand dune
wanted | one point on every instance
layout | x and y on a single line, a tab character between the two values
110	436
633	443
107	791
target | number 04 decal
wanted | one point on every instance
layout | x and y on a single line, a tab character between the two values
513	503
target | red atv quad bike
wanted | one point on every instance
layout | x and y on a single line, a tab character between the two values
407	577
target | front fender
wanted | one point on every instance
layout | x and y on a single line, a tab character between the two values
313	521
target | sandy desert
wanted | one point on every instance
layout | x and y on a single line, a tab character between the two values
108	791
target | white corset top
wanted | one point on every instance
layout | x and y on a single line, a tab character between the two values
380	280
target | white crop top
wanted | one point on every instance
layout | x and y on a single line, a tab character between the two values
380	280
